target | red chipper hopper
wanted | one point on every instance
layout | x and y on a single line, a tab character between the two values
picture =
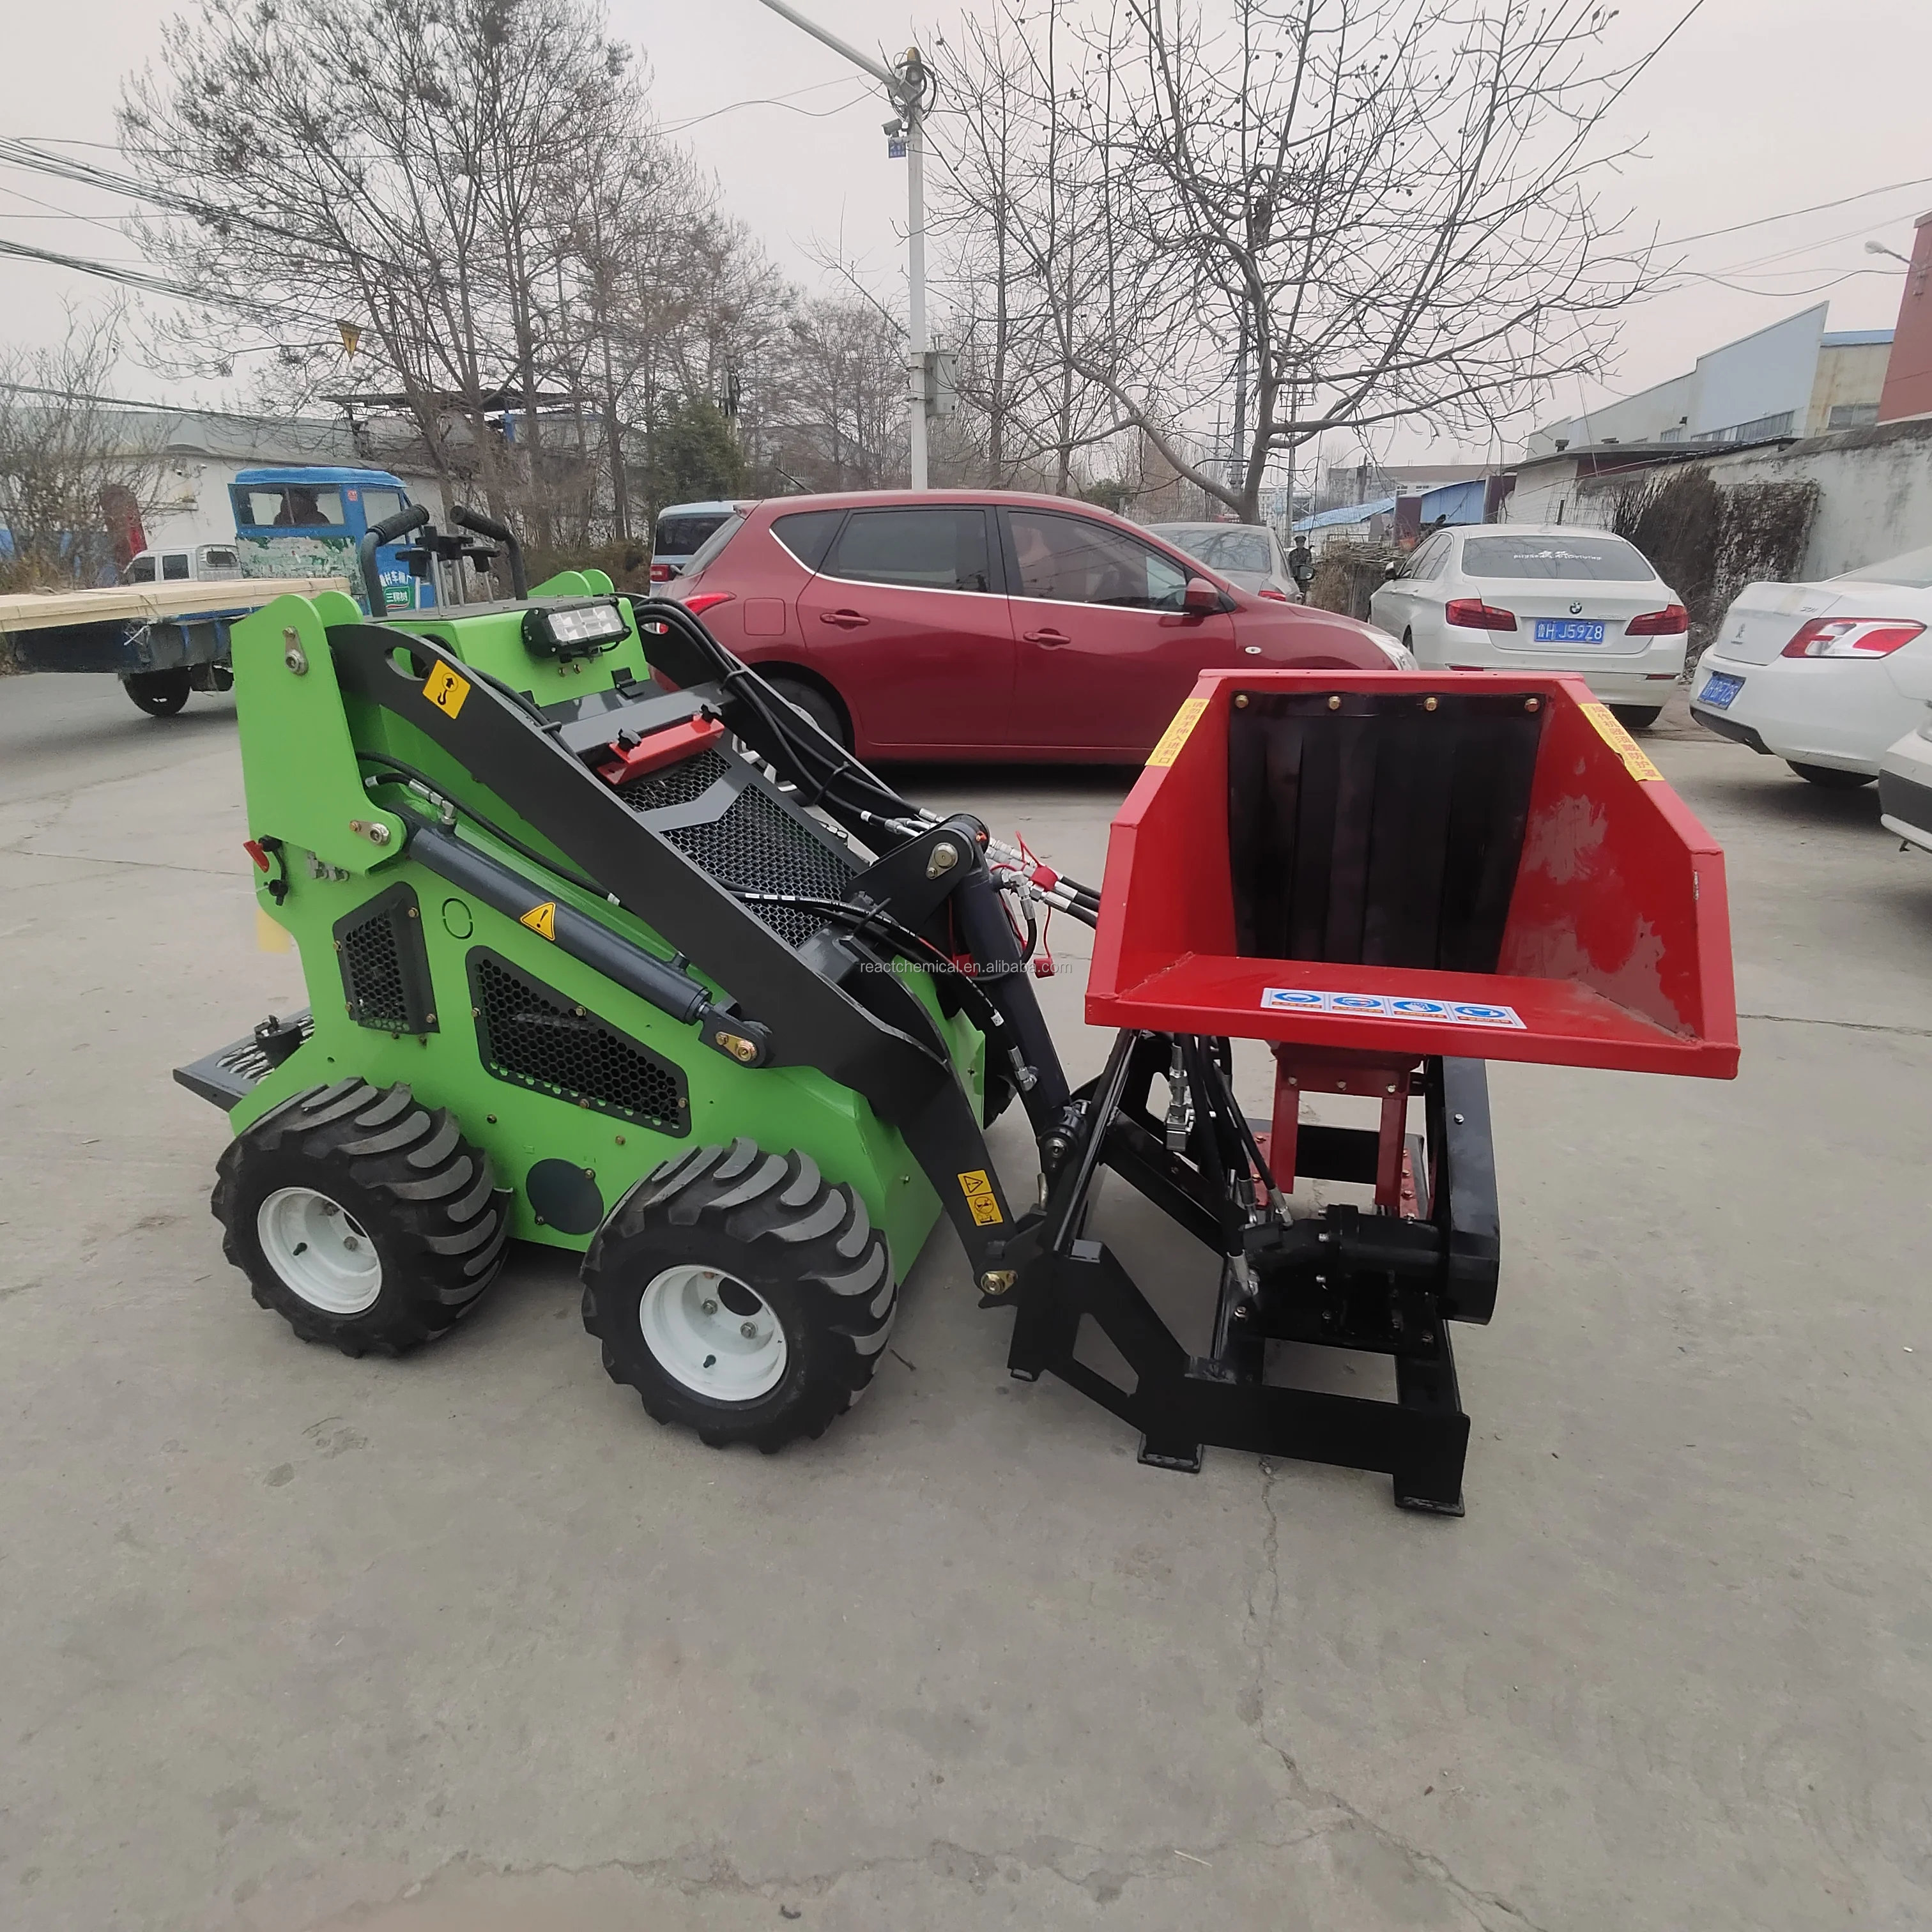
1390	879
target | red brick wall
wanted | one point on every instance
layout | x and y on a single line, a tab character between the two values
1908	375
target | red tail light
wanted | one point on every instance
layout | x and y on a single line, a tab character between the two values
1673	621
661	573
1852	637
1473	614
701	600
1274	595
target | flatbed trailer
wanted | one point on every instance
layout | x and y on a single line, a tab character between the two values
163	641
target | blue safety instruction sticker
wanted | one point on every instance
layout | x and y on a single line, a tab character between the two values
1390	1007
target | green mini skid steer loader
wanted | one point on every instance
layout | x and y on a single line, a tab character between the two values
583	972
609	947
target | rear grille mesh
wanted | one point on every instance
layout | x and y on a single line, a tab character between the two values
680	784
386	981
754	842
372	969
532	1035
757	844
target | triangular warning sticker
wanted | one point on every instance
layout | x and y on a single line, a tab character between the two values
542	920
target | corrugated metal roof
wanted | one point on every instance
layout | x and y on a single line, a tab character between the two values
1349	513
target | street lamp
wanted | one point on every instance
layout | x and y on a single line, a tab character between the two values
1879	248
907	85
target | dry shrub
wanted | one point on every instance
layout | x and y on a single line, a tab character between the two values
1707	541
1347	575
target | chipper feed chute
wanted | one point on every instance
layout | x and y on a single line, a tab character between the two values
608	947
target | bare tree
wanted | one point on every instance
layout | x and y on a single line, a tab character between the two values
75	484
1343	214
537	275
835	386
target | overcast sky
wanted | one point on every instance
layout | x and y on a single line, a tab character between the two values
1757	108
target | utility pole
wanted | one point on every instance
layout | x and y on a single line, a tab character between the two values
907	85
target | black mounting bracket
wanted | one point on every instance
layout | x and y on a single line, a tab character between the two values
1384	1283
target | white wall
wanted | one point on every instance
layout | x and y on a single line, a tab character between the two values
1875	492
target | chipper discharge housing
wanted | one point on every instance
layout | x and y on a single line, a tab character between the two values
608	947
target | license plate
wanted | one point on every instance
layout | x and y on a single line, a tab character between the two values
1719	690
1568	630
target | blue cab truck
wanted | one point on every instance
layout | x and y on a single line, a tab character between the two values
301	521
306	522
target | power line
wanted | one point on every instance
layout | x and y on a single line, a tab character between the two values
158	285
24	154
783	100
1792	213
1786	295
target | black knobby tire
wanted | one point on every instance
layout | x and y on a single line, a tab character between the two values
805	1248
1636	717
1828	778
161	693
816	706
408	1183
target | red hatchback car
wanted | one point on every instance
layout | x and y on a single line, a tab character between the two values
985	624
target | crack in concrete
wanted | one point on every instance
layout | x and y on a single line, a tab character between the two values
18	851
1849	1026
697	1873
1311	1797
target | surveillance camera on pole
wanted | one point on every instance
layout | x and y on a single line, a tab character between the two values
908	85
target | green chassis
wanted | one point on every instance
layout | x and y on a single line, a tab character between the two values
300	736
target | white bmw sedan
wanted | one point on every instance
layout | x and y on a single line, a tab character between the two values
1824	676
1544	598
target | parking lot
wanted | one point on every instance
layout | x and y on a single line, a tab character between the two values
464	1641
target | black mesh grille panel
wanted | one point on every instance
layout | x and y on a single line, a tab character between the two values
385	969
756	843
676	784
532	1035
373	972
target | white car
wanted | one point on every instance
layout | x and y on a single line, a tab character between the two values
1544	598
1905	787
1824	676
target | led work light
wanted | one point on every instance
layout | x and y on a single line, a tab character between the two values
580	630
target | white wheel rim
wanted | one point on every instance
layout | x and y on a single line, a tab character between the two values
710	1332
321	1252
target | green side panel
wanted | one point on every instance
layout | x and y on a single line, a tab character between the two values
299	740
298	764
779	1107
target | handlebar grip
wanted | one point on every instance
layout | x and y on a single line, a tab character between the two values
468	519
400	524
488	527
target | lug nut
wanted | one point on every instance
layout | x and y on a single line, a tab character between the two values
749	1329
711	1308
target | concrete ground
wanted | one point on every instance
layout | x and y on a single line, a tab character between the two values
291	1642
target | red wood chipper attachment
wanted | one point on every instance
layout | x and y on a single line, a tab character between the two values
1389	880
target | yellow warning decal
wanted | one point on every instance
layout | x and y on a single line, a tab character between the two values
1621	742
981	1201
446	691
1175	736
542	920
